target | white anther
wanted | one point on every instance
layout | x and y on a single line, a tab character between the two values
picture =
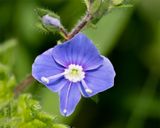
44	79
47	79
65	111
88	90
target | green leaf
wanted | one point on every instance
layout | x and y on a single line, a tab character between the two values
106	7
95	6
7	55
7	45
3	68
125	6
117	2
112	6
46	28
22	111
109	29
6	89
59	126
102	10
41	12
41	27
87	2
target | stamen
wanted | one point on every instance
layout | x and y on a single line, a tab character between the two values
44	79
65	111
87	89
47	79
67	96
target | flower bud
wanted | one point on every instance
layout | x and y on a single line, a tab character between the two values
48	20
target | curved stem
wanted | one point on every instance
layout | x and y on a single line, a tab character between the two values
80	25
20	87
63	32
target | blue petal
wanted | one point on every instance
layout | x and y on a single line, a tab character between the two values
45	66
69	98
79	50
99	80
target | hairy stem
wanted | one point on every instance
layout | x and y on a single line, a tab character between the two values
63	32
20	87
80	25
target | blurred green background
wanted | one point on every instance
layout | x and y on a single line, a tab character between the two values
130	37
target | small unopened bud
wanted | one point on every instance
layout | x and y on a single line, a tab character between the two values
48	20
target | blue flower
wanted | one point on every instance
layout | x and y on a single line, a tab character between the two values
72	69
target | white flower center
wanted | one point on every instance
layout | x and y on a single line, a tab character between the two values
74	73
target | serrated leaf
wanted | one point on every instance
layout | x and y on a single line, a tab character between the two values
22	111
